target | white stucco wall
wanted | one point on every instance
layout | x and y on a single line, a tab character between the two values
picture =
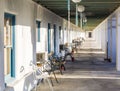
1	46
104	36
100	35
98	40
24	33
46	16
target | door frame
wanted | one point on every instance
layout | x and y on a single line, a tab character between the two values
38	29
49	38
12	64
55	30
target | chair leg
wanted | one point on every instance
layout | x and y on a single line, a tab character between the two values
61	70
50	85
51	81
63	67
55	77
35	89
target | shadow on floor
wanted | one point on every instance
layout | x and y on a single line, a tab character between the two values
89	72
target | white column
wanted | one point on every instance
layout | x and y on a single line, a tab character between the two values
76	20
113	34
68	30
81	20
118	42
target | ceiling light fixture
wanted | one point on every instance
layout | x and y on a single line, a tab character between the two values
81	8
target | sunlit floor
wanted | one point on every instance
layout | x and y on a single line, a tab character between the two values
89	72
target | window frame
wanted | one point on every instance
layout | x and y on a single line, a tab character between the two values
12	60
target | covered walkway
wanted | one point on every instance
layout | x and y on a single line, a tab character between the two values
87	30
89	72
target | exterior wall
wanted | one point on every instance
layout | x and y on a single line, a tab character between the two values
25	45
26	13
107	32
101	35
24	34
104	36
114	39
46	16
1	46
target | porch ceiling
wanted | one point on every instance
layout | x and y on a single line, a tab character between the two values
95	10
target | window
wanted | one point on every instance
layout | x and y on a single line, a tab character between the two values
38	31
60	36
40	57
9	45
90	35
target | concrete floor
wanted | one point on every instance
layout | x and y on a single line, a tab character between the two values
89	72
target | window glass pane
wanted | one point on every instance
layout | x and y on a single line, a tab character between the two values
38	31
60	36
7	45
90	34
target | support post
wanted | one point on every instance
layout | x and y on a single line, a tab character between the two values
81	22
118	42
76	14
68	30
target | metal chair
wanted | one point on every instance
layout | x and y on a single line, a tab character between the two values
50	68
40	74
57	63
